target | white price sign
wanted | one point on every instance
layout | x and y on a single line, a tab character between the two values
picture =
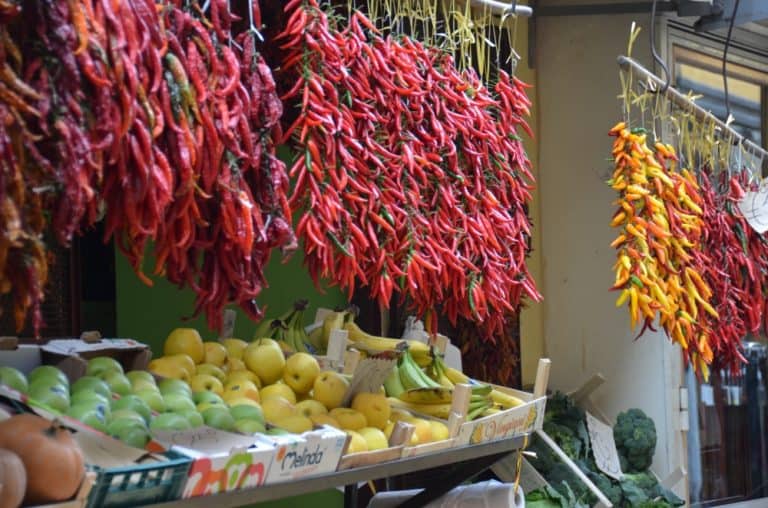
604	447
754	207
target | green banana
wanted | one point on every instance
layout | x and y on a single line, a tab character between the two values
482	389
411	374
478	410
392	385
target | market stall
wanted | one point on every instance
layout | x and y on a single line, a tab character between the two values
333	241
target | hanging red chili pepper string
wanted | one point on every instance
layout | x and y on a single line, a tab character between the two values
411	177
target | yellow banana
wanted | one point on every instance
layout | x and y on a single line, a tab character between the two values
427	396
374	343
505	400
456	376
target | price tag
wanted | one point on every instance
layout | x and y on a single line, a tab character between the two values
707	395
604	447
228	324
754	207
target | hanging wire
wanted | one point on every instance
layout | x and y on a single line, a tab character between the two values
656	56
725	61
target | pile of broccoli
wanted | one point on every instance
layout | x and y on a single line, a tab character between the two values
635	436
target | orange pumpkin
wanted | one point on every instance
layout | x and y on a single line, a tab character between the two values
52	459
13	480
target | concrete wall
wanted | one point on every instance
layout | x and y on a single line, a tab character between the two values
583	331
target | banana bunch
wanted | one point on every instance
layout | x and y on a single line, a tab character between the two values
479	404
372	344
288	329
660	218
438	371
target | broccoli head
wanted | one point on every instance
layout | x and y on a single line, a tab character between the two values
635	436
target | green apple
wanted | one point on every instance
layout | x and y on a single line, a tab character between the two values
153	399
249	427
127	414
118	383
89	415
14	378
206	396
170	385
135	376
92	384
130	431
169	421
218	417
178	403
90	397
195	418
103	365
48	372
246	412
50	393
135	403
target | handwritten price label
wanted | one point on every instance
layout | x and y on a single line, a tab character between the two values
604	447
754	207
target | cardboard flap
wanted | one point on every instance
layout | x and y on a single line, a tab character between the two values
370	375
204	439
106	452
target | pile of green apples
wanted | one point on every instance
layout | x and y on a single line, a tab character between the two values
129	406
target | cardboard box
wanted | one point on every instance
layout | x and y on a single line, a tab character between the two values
222	461
311	453
72	355
509	423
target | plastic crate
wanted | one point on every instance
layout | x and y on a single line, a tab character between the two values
156	482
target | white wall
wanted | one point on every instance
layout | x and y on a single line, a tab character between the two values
584	333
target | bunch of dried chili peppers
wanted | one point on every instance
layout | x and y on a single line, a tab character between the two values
411	176
160	119
686	254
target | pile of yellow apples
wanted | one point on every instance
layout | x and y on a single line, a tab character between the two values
292	391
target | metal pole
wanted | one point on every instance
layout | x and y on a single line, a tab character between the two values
684	102
505	8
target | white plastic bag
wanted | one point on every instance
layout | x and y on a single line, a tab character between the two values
489	494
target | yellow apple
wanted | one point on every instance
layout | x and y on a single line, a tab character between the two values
400	415
277	408
186	341
310	407
329	389
265	360
206	383
357	443
295	423
244	375
185	361
374	406
300	372
234	347
163	368
278	390
440	430
375	438
211	370
325	420
215	353
234	365
349	419
422	430
237	389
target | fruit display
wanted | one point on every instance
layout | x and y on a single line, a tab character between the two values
53	462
